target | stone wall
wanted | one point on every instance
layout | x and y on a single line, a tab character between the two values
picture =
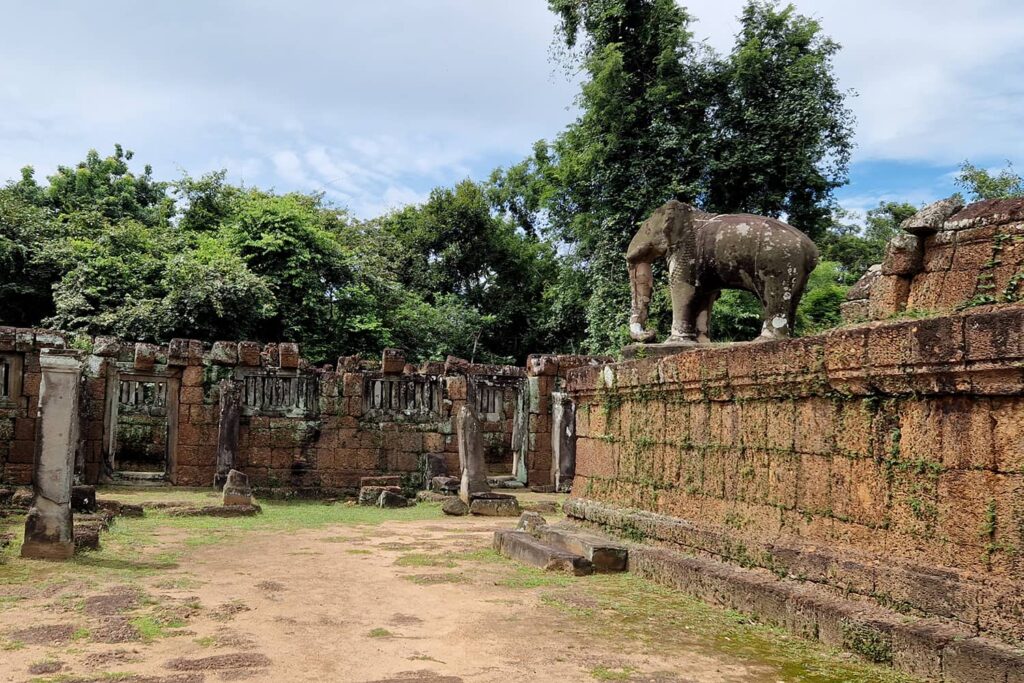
19	397
885	460
315	429
974	256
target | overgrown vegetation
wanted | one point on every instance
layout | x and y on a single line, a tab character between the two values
528	260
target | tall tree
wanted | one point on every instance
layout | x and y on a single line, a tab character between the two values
983	184
764	129
640	140
783	131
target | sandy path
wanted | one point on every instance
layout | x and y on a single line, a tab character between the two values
331	604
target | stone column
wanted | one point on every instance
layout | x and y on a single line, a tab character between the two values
227	430
471	454
521	432
48	528
563	441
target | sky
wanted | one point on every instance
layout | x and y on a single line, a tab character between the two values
375	103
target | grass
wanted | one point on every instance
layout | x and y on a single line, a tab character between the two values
139	547
424	560
150	628
380	633
628	607
602	673
435	579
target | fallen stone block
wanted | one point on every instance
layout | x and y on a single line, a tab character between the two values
432	497
236	489
505	506
390	499
530	522
455	506
83	499
523	547
604	554
381	481
22	498
445	485
369	495
505	481
113	506
217	511
131	510
87	538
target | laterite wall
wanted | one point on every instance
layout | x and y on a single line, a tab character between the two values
884	460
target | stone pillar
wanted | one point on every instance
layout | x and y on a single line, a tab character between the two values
563	441
521	432
48	529
471	453
227	430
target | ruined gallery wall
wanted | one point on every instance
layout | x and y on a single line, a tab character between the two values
301	427
975	256
884	460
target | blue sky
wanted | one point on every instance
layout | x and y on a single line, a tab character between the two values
375	103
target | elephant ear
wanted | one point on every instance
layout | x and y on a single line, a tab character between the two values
682	238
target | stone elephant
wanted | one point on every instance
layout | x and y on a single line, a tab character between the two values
710	252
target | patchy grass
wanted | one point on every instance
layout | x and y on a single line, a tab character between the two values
10	645
628	607
603	673
525	578
137	547
206	641
150	628
435	579
424	560
380	633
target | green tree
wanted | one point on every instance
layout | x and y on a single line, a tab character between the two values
782	129
453	246
763	130
855	248
25	284
982	184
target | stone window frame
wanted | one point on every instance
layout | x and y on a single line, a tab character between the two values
11	377
303	392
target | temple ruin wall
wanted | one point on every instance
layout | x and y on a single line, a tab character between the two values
884	460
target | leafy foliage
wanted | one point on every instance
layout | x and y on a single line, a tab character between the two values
982	184
855	248
764	129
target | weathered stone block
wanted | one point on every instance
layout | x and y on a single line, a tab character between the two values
145	356
224	353
249	354
455	507
392	361
106	347
904	255
493	506
288	355
390	499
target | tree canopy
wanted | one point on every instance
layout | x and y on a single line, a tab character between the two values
530	259
764	129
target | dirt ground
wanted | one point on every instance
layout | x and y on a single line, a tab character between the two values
408	595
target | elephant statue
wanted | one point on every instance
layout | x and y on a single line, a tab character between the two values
710	252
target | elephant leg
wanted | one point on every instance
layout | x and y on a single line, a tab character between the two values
684	313
704	307
779	299
641	284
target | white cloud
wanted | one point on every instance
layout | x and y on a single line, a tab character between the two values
375	103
